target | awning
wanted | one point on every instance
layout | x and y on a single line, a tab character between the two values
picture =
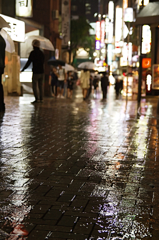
149	14
31	25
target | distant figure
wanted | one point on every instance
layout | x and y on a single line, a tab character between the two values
90	86
53	78
70	83
117	87
85	82
95	83
37	58
104	84
2	66
61	81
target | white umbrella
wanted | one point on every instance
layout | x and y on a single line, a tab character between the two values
87	65
9	42
69	68
3	23
45	43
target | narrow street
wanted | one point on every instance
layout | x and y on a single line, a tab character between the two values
74	169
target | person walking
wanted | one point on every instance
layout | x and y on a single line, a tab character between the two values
70	83
117	87
104	84
53	78
60	82
36	57
2	66
85	82
95	84
90	86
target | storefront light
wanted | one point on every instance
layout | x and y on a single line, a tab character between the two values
143	2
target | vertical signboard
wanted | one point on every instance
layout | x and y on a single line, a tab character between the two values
118	25
155	79
65	22
24	8
102	33
146	39
98	36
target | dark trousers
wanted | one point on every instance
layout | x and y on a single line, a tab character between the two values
104	90
54	89
37	84
2	105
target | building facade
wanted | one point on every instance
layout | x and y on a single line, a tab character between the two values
40	17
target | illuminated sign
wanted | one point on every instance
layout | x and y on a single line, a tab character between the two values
111	11
98	45
98	30
110	53
155	79
107	27
145	2
110	36
24	8
125	4
146	36
146	62
17	30
65	22
118	26
102	32
128	15
148	82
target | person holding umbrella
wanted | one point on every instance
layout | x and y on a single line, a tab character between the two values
61	81
85	82
36	57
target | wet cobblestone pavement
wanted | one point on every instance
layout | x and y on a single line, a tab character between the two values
79	170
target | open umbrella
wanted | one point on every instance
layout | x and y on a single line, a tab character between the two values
3	23
45	43
55	62
9	42
86	65
69	68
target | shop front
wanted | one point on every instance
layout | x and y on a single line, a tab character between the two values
147	20
11	76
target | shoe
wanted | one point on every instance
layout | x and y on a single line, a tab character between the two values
62	96
58	96
34	102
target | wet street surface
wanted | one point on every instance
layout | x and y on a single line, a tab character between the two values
74	169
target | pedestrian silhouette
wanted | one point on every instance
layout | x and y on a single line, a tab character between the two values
37	58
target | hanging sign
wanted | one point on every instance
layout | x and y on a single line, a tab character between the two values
65	22
16	30
155	79
24	8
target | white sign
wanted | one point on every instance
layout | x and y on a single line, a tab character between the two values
118	24
146	36
111	11
128	15
24	8
65	22
17	30
110	36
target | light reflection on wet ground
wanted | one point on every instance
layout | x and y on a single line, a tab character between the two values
79	170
